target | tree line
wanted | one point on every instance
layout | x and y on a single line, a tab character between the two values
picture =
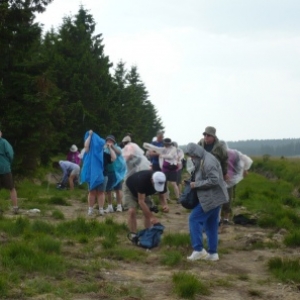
275	147
56	86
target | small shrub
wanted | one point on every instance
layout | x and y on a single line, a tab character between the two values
56	200
188	285
171	258
292	239
58	215
285	269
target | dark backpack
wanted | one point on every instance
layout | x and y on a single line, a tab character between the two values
150	237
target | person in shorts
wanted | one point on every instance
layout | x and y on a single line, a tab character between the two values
6	179
111	145
138	187
98	192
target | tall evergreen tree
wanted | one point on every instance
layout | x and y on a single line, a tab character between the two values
27	97
81	72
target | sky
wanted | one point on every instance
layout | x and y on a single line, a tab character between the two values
232	64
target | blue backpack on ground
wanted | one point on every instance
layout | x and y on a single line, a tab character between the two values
148	238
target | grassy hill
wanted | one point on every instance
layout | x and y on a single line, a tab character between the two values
61	253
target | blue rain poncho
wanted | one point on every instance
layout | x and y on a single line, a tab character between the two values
118	167
92	169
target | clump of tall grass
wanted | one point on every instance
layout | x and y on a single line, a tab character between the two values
23	256
171	258
58	215
292	239
187	285
176	240
56	200
285	269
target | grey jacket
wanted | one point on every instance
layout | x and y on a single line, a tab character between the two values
211	188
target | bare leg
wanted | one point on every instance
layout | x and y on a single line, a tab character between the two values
176	190
71	181
91	198
132	223
101	199
109	197
119	195
13	197
147	222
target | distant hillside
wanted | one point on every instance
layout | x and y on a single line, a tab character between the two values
284	147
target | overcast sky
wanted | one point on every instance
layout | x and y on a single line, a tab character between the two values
231	64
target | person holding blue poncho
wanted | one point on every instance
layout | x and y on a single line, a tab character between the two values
116	173
94	169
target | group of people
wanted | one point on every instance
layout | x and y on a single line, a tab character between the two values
135	175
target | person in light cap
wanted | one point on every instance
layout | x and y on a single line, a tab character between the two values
141	185
74	155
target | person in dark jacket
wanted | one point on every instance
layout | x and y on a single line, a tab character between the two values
6	179
212	193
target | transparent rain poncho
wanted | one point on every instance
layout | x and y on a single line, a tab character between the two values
135	159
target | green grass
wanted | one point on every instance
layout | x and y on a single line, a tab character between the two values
58	215
187	285
171	258
285	269
176	240
293	239
56	200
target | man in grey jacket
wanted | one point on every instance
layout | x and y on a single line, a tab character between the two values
212	193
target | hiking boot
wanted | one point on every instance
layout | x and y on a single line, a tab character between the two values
212	257
198	255
119	208
101	212
16	210
109	209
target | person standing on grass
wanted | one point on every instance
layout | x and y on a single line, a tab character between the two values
212	193
74	155
212	144
169	158
140	186
180	158
116	172
6	179
94	169
154	156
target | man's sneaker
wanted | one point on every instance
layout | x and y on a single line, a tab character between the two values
119	208
109	209
90	212
198	255
212	257
15	210
101	211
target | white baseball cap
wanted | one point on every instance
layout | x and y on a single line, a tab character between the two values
159	180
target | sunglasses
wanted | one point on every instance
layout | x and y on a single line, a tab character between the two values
206	134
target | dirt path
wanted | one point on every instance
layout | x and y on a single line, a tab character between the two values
241	272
